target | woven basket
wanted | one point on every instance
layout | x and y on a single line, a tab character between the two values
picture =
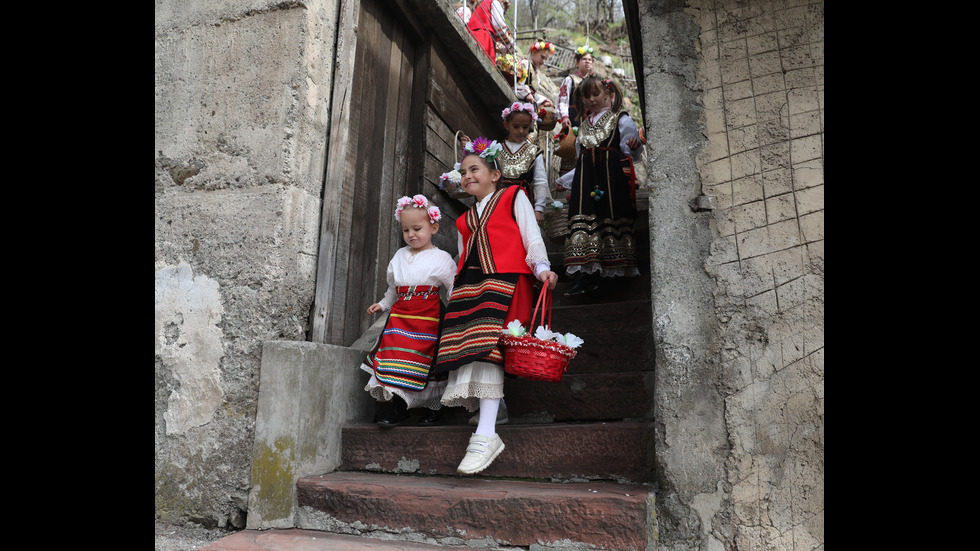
533	358
455	191
546	119
556	223
566	147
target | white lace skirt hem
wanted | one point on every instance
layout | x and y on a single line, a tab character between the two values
471	382
429	397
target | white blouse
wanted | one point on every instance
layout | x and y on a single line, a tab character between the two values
428	267
537	254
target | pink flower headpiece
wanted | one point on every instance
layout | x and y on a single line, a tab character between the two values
488	149
517	107
417	202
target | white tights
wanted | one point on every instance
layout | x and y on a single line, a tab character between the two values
488	416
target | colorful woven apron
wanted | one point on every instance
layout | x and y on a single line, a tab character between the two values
406	349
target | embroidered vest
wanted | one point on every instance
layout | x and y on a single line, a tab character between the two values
518	168
495	238
605	132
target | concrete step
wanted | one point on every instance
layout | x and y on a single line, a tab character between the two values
592	451
514	513
294	539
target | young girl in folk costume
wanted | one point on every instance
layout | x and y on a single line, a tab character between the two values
602	203
501	256
520	161
538	90
567	110
401	360
488	26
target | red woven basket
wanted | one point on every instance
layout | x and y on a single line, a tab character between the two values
533	358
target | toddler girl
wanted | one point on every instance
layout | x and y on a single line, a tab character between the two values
401	360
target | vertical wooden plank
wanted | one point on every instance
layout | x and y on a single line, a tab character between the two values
331	242
368	157
396	128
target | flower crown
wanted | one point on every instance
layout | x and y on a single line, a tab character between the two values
518	107
542	45
418	202
488	149
582	50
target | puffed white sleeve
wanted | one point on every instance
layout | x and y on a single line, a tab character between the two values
391	295
628	130
445	273
537	254
565	180
566	86
542	195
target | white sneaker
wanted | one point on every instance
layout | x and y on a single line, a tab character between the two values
502	418
480	453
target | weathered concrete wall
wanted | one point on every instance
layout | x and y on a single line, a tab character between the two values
734	110
241	95
309	393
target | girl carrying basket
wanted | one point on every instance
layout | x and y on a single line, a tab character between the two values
501	255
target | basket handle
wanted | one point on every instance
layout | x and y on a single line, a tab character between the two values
544	302
455	146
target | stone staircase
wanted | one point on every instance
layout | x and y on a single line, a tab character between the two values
577	471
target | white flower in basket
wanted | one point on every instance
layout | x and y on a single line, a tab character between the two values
543	356
542	333
453	177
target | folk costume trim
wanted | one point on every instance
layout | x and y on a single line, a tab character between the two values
479	240
513	165
593	135
472	331
410	336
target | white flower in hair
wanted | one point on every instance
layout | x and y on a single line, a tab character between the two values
488	149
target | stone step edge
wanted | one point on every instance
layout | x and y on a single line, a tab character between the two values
603	514
299	539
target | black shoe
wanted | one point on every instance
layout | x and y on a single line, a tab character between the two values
432	417
583	284
398	416
396	419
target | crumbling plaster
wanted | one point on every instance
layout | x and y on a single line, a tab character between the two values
242	90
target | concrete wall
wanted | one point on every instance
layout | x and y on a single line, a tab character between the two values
734	112
241	95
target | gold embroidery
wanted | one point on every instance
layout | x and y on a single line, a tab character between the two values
515	164
590	135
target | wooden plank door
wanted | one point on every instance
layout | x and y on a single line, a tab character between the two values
374	134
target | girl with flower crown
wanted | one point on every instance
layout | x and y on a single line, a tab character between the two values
501	255
401	360
520	161
602	202
537	90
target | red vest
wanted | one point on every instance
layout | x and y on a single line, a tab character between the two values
496	239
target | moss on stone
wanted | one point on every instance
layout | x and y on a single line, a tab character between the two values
272	474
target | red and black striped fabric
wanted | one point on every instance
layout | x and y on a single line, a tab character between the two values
406	349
